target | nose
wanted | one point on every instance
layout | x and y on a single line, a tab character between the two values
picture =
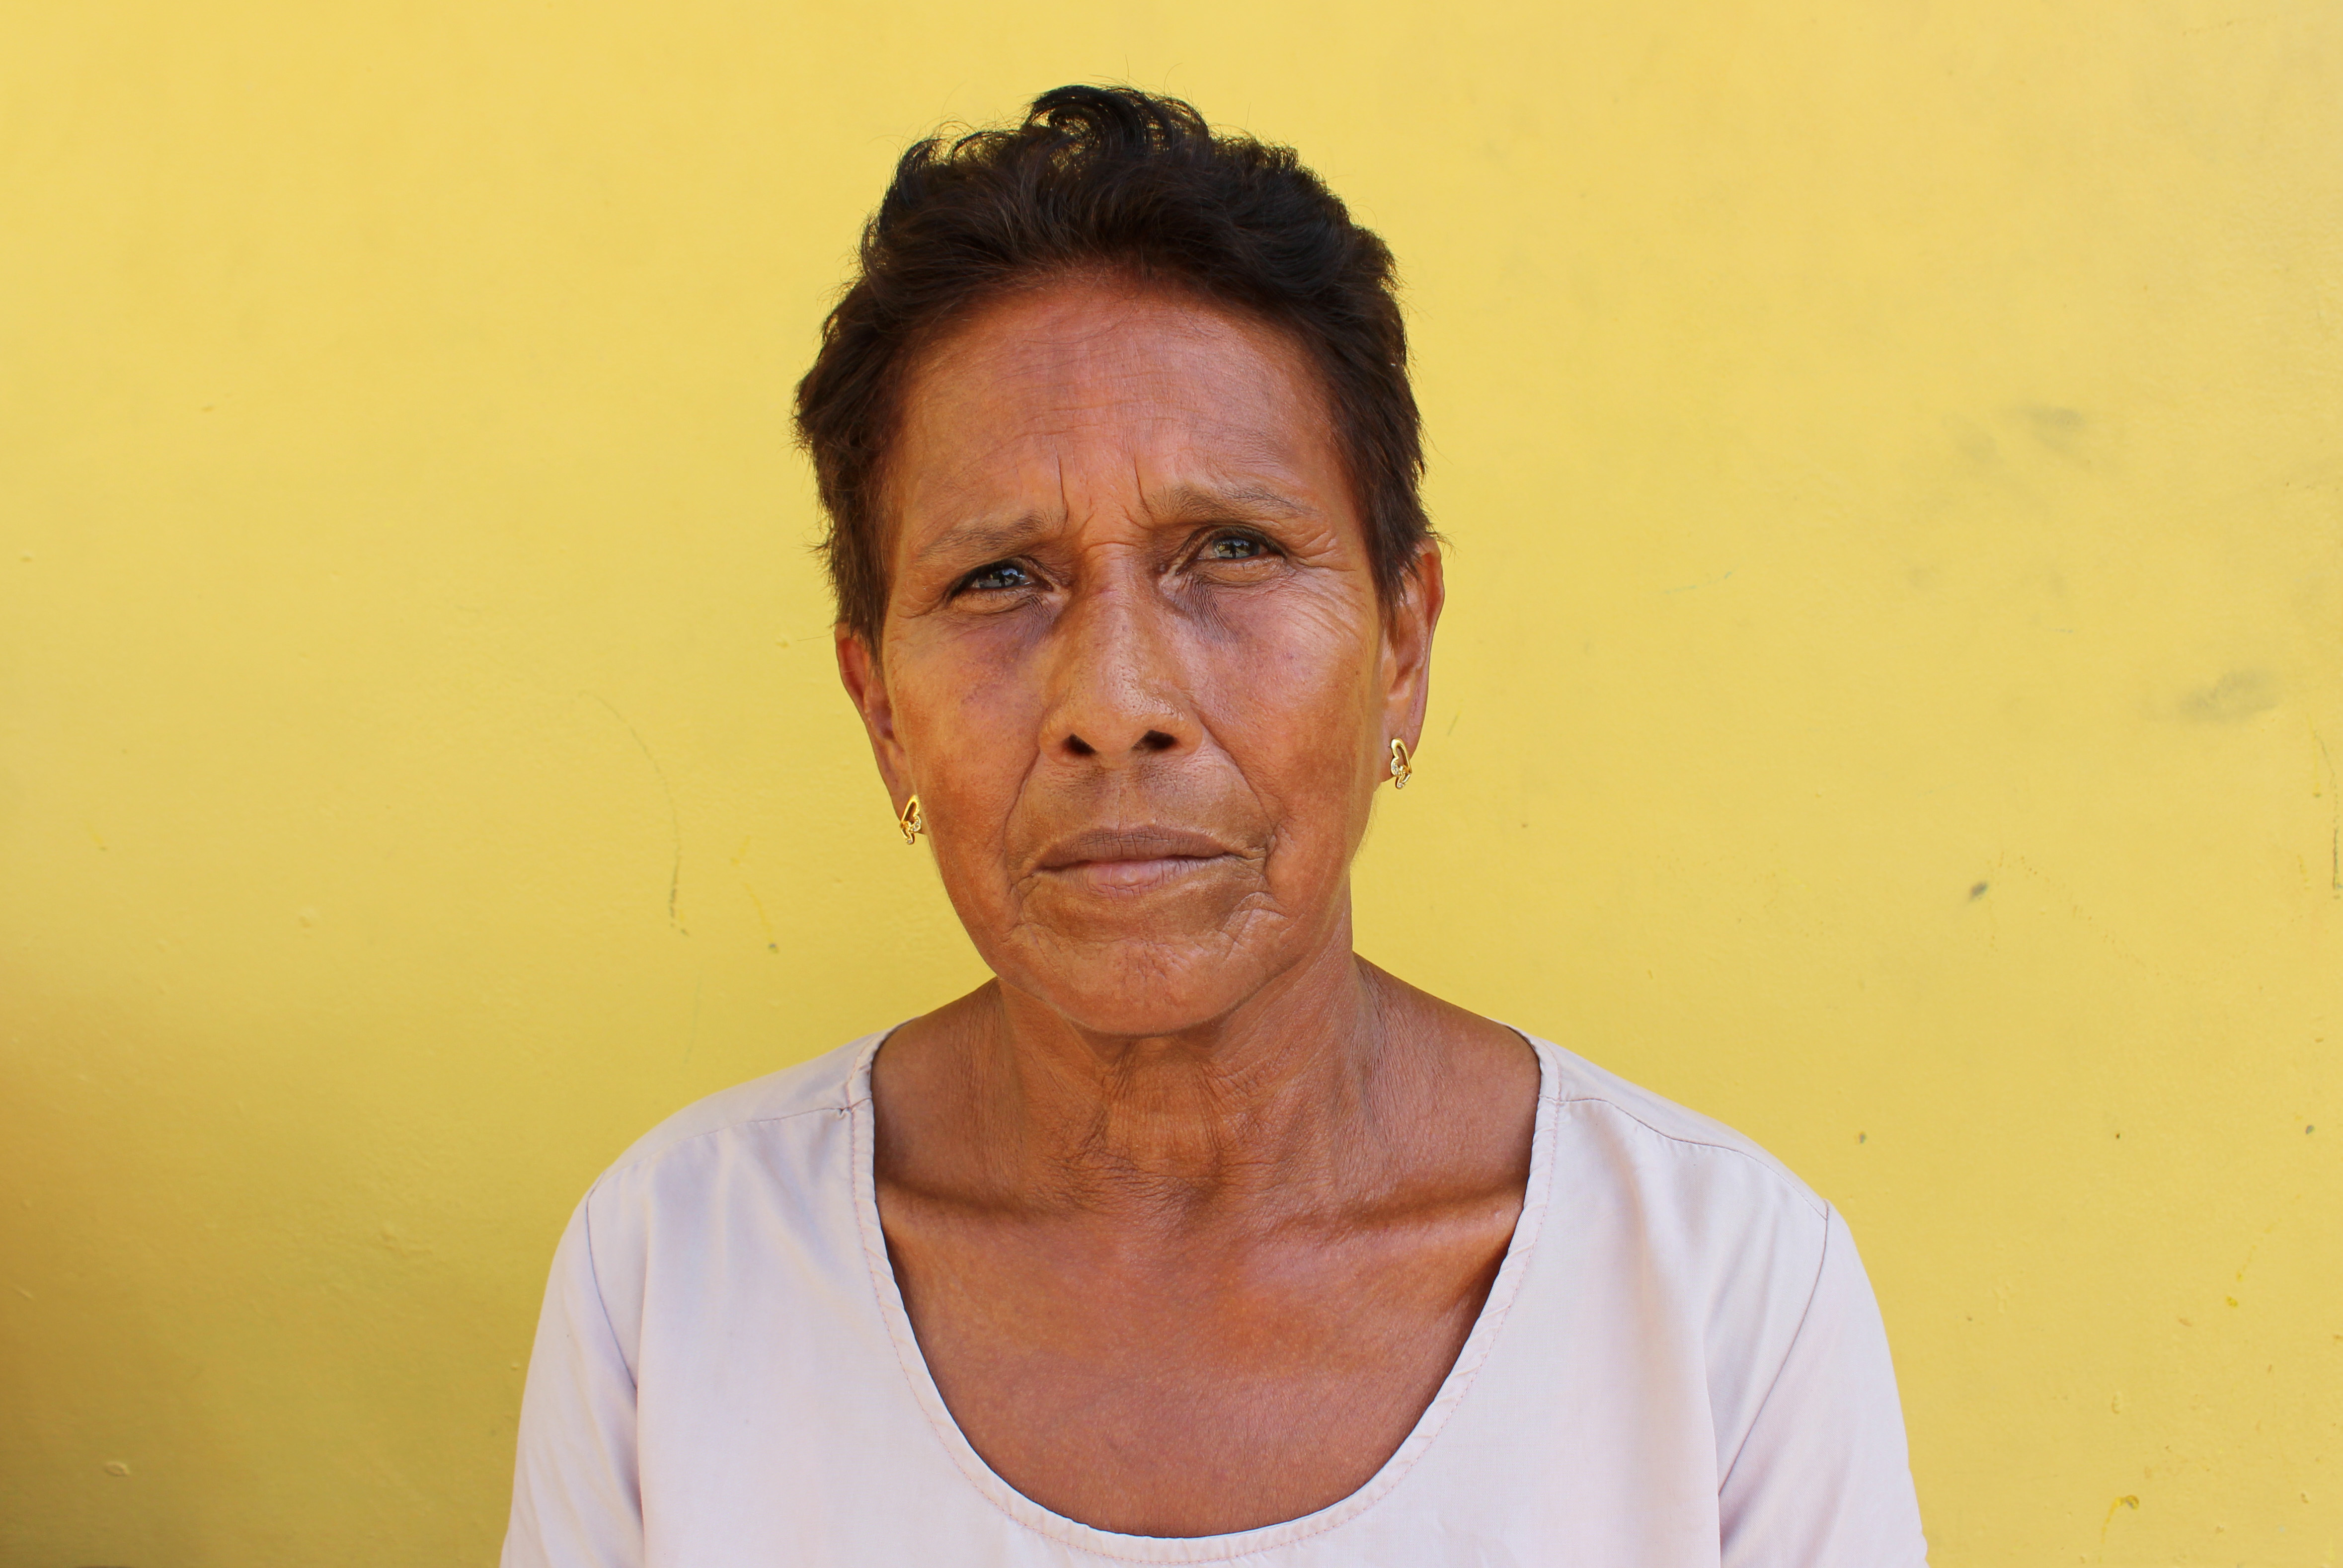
1118	689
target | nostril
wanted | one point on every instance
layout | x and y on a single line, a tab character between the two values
1079	747
1156	740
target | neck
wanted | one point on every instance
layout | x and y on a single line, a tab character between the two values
1268	1109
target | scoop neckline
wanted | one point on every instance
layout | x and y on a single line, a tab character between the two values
1113	1544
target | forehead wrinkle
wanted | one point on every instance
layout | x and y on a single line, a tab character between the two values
991	509
1082	483
1066	409
1147	407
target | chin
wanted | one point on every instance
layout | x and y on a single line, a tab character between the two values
1137	989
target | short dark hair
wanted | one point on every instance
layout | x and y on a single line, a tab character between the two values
1114	178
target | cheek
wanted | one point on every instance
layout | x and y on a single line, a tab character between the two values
959	702
1290	695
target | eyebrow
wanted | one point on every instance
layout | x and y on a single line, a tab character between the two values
997	537
1200	501
989	537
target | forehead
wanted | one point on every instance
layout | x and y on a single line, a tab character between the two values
1095	383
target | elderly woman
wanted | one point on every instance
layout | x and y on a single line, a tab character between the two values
1191	1237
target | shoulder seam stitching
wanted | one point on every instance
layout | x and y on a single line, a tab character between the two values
623	1164
1811	1200
601	1299
1805	1314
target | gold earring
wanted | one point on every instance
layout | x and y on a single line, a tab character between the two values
909	819
1401	766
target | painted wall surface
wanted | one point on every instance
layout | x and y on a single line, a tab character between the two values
1891	698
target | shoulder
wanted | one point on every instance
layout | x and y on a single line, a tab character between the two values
1668	1132
1685	1194
1741	1248
761	1169
824	1088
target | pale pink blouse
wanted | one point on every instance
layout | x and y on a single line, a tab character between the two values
1680	1365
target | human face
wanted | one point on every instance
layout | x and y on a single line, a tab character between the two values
1133	662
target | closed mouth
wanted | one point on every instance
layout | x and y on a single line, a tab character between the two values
1131	858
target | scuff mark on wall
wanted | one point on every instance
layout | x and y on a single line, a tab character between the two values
674	818
2074	907
2334	813
741	859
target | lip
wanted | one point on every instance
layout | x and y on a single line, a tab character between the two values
1131	858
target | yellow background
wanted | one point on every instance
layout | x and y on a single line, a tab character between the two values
1891	699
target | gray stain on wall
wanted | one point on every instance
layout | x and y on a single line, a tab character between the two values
2234	699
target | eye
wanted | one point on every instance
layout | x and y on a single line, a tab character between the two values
1236	548
999	577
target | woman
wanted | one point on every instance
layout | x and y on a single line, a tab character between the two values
1192	1237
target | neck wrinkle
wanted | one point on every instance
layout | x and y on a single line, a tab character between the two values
1270	1111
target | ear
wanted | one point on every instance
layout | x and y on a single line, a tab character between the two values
1408	625
858	670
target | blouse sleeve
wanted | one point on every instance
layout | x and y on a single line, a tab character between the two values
577	1501
1823	1480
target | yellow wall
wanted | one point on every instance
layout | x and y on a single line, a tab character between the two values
1893	696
